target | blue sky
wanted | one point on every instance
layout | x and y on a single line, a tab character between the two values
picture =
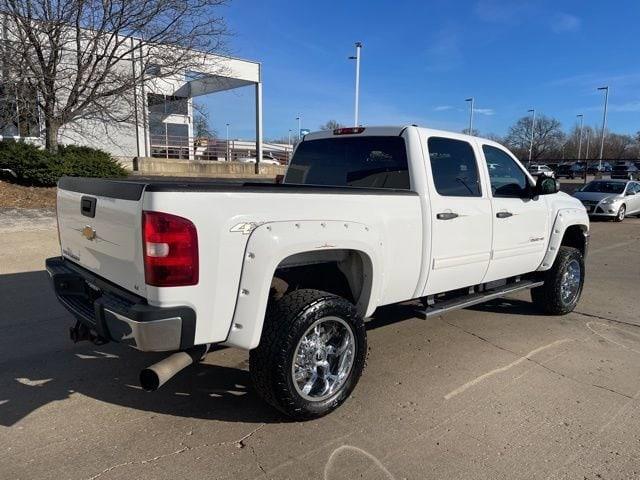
421	59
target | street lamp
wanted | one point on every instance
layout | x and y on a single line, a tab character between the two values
299	119
586	155
581	117
357	59
604	123
228	142
289	149
470	115
533	126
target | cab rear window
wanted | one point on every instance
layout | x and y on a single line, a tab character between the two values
365	162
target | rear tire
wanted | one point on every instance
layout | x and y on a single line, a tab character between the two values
302	337
562	283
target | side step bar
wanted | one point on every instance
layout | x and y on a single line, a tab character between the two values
438	307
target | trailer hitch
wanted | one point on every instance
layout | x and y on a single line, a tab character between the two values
80	333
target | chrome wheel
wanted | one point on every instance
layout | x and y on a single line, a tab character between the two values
323	359
621	213
570	284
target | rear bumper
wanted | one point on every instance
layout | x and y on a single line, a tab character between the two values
118	315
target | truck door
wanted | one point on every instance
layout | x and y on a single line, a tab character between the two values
520	222
460	216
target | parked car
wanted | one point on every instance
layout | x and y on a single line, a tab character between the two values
290	272
565	170
536	170
596	167
626	171
267	159
610	198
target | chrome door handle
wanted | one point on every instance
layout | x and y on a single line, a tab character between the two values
446	216
504	214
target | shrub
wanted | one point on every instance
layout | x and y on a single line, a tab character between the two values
35	166
88	162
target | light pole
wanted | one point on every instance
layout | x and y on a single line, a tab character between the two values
299	119
357	59
533	127
290	149
470	115
581	117
227	142
586	155
604	123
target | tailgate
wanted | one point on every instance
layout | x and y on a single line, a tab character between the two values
100	224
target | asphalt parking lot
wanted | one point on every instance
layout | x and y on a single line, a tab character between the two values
492	392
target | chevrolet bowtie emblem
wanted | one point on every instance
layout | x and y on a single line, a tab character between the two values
89	233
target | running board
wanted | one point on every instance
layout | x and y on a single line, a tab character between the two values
439	307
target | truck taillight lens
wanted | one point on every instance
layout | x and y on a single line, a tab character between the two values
348	130
170	245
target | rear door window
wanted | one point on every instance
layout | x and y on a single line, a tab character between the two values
454	167
366	162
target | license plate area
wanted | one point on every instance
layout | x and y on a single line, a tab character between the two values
72	285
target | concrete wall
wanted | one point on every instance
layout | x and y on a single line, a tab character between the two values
194	168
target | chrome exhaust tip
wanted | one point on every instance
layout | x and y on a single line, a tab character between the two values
156	375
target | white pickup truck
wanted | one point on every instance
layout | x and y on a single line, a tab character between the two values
365	217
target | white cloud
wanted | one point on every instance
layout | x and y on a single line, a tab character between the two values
510	12
442	108
565	22
484	111
444	52
632	106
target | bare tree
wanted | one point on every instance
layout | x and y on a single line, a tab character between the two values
548	138
331	125
201	126
85	59
618	146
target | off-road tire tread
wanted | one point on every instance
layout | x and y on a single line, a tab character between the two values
547	297
268	361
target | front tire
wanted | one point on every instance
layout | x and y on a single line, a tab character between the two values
622	212
562	283
311	354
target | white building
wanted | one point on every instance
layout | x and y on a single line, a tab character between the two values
162	123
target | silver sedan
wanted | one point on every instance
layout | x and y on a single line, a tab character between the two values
610	198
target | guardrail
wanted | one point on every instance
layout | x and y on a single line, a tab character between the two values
214	149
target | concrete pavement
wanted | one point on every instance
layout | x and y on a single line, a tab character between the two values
492	392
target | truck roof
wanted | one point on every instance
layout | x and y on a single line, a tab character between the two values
394	130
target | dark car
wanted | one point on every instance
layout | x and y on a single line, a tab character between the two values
598	168
626	171
565	170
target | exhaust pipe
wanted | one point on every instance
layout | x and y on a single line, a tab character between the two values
156	375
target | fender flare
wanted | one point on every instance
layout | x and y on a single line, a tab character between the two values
271	243
565	218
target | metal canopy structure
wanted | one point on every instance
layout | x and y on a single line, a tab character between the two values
218	74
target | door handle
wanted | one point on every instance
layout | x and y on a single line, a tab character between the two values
446	216
504	214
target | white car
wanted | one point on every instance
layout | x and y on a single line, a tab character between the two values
536	170
365	217
266	159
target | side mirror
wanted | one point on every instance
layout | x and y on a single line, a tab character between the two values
546	185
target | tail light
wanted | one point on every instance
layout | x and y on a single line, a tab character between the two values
348	130
170	246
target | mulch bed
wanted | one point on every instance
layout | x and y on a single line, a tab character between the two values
19	196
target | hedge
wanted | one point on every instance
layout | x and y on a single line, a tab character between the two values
36	166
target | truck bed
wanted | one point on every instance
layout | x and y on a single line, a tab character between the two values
132	188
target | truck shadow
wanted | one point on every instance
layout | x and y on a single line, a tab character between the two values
40	365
